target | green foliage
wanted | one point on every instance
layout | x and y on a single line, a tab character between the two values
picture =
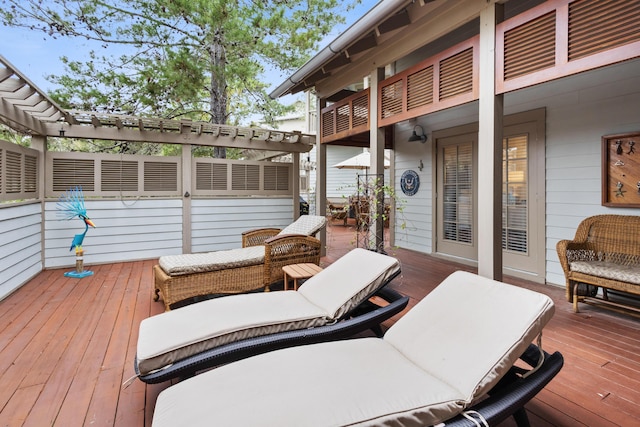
197	59
9	135
370	191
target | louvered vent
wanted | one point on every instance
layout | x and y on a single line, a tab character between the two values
245	177
456	74
530	47
14	172
392	99
69	173
160	176
327	123
342	122
1	174
597	25
276	178
119	175
211	176
30	174
361	110
420	88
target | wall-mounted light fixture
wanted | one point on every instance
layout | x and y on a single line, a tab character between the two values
61	131
415	137
420	165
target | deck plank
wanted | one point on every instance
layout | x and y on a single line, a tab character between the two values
67	346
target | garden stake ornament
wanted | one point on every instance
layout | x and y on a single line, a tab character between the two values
71	205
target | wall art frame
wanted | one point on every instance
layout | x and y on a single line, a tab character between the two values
621	170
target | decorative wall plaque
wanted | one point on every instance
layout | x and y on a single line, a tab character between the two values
410	182
621	170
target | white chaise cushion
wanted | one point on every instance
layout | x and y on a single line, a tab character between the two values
326	297
177	334
307	225
430	366
176	265
349	281
472	322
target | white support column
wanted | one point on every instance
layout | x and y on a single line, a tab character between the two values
489	151
186	198
40	143
296	184
376	147
321	174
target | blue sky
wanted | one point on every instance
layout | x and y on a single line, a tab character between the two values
37	55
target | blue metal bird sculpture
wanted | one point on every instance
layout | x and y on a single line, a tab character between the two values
71	205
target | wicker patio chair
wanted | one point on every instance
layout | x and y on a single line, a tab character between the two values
338	212
433	365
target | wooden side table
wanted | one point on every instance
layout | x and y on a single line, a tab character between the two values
299	271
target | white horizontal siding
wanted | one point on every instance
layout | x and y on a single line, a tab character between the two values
341	182
125	230
20	246
218	223
414	225
578	115
579	111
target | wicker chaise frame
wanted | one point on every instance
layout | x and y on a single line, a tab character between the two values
279	250
613	238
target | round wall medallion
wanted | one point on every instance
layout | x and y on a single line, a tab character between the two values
409	182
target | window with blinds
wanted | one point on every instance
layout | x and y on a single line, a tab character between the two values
458	193
515	199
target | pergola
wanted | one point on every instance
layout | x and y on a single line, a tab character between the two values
27	109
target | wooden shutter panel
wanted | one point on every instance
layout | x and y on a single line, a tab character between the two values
530	47
597	25
456	74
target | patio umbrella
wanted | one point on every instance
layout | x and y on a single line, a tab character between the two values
361	161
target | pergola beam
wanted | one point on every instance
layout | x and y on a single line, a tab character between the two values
276	141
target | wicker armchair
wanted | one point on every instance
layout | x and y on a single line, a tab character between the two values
338	212
605	253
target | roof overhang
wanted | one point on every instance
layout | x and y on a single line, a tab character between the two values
390	31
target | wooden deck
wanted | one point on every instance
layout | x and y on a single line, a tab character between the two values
67	346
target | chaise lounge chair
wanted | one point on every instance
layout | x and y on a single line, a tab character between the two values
331	305
255	266
455	347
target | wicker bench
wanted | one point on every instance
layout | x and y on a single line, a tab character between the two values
605	253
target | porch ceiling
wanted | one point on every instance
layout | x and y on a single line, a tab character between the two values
27	109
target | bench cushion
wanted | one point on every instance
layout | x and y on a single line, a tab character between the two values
176	265
608	270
